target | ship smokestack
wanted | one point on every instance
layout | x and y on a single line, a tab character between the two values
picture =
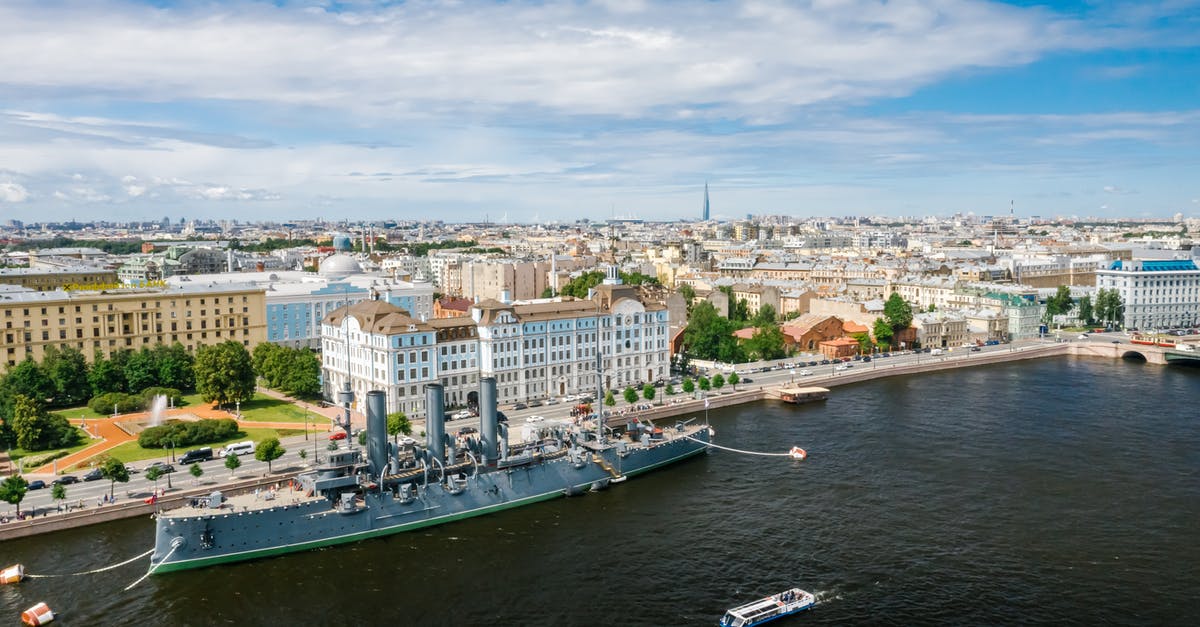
377	432
487	420
435	420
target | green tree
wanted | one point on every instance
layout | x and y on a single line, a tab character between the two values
733	379
67	369
1059	304
106	376
705	384
718	382
58	492
898	312
38	430
631	395
688	292
303	379
141	371
233	463
114	470
883	331
648	392
270	450
13	489
154	473
224	373
767	343
864	342
175	367
670	389
764	317
710	336
688	386
1086	314
196	471
28	379
609	399
548	292
398	423
579	286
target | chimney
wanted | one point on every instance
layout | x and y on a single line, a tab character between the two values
487	419
435	420
376	432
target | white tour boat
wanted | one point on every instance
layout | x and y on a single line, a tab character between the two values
769	608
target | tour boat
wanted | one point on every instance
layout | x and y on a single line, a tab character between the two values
768	609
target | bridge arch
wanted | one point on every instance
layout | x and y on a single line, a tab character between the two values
1133	356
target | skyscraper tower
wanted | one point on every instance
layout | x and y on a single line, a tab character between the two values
705	216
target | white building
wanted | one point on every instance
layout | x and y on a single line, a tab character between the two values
1156	294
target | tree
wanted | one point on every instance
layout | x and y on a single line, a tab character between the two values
13	490
1086	314
733	379
224	373
648	392
176	367
154	473
270	450
398	423
764	317
58	492
864	342
631	395
710	336
705	384
688	386
1109	308
233	463
609	399
767	343
718	382
688	293
106	376
67	369
670	389
1059	304
113	470
196	471
883	331
579	286
38	430
28	379
141	371
898	312
303	378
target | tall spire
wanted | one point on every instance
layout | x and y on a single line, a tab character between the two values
705	217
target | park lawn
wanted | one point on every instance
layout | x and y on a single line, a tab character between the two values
132	452
84	442
74	413
264	408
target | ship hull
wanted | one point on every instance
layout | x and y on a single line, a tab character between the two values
234	536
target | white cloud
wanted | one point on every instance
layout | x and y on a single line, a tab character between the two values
13	192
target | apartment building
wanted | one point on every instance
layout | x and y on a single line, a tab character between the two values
1156	294
49	278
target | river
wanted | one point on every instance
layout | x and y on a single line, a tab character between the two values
1060	490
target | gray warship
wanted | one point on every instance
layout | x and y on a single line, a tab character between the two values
401	486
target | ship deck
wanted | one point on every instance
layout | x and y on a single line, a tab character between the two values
281	496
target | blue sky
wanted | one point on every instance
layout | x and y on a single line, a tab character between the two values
558	111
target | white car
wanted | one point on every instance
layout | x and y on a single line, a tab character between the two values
806	373
535	419
462	414
841	367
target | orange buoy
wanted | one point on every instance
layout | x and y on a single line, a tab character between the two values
39	614
12	574
798	453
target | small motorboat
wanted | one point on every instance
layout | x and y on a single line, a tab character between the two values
769	608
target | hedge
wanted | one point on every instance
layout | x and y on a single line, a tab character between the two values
187	433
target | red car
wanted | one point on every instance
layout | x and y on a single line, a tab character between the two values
337	435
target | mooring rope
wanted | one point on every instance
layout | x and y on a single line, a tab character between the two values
150	571
94	570
735	450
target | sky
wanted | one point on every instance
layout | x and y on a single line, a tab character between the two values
556	111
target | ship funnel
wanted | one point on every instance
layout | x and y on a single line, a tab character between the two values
487	420
377	432
435	420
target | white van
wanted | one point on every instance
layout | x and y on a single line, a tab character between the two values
936	351
238	448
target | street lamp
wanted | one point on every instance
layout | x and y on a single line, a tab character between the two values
306	423
172	442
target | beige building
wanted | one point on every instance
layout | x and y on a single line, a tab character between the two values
46	279
100	322
504	280
938	329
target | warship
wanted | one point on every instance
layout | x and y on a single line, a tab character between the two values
404	485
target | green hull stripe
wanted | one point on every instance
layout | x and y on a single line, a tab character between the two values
374	533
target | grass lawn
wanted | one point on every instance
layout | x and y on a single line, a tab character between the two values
83	411
35	456
131	452
263	408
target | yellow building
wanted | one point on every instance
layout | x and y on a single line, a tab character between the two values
104	321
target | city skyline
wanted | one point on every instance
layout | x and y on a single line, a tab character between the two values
131	110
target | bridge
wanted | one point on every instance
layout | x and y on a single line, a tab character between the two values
1161	353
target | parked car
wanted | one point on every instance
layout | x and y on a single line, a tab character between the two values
975	349
814	363
36	484
517	406
65	480
552	401
93	475
461	414
338	435
465	431
825	362
197	455
866	358
535	403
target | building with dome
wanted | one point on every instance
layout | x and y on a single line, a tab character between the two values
339	266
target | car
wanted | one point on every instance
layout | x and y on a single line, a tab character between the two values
806	373
1116	341
65	480
197	455
814	363
856	358
825	362
841	367
535	403
552	401
866	358
338	435
407	441
93	475
36	484
465	431
975	349
747	380
462	414
535	419
518	406
162	467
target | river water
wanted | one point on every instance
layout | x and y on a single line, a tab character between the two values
1062	490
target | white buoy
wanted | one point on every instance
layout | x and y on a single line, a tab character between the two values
12	574
797	453
39	614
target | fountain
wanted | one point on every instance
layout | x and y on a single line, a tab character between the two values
158	406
